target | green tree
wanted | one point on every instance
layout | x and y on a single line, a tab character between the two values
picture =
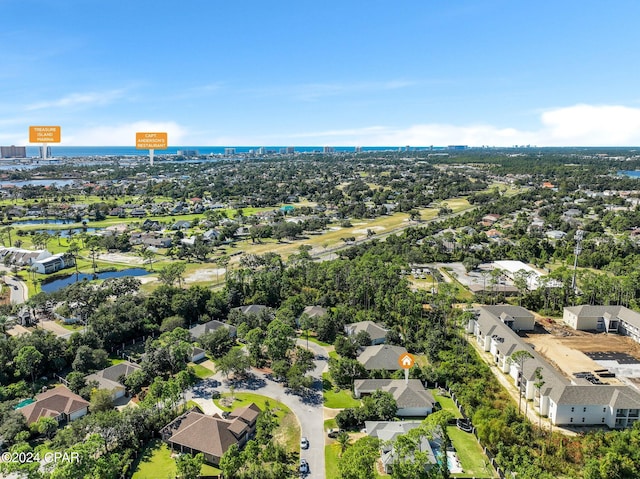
172	273
188	466
278	340
101	400
218	342
28	361
358	461
47	426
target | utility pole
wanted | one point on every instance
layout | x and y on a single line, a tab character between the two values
578	249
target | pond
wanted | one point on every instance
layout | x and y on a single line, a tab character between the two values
68	233
56	284
45	221
48	182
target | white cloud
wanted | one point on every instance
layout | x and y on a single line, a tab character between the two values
592	125
123	135
79	99
578	125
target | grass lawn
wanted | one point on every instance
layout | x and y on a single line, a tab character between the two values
288	431
446	403
317	341
339	400
200	371
336	400
474	462
156	463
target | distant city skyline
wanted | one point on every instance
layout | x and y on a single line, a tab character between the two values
335	73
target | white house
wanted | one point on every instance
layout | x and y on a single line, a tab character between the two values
53	263
611	319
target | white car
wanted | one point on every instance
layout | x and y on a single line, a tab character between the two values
304	443
304	466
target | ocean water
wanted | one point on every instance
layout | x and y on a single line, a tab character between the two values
92	151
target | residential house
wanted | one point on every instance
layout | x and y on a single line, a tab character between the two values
412	399
197	354
388	431
250	308
151	225
53	263
382	356
181	225
555	234
210	326
376	332
313	312
112	378
211	235
59	403
22	257
194	432
138	213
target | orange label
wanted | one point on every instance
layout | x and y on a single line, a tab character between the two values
406	361
151	141
44	134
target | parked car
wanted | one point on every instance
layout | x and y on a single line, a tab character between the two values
304	466
333	433
304	443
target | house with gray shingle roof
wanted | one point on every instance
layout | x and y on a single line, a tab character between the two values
210	326
388	432
412	399
382	356
110	378
612	319
376	332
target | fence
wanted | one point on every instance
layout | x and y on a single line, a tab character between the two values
486	451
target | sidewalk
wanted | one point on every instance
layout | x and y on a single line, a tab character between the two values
511	389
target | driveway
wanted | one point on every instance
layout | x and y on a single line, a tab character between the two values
307	408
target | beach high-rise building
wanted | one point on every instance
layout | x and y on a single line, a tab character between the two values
229	151
328	149
48	152
13	151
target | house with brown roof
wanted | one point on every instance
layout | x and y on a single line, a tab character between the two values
195	432
59	403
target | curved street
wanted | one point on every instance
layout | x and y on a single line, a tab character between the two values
19	291
308	408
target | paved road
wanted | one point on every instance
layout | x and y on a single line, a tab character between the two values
19	290
308	408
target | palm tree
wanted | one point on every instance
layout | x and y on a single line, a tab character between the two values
7	230
519	358
344	440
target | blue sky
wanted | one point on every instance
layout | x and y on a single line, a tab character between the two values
340	73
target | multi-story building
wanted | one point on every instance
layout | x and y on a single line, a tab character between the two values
13	151
576	401
609	319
